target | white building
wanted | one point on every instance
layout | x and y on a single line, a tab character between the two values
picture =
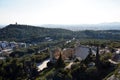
13	44
4	44
23	45
6	52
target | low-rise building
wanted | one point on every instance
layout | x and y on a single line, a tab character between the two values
81	52
68	53
22	45
6	52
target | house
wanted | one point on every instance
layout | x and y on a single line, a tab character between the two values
13	44
3	44
22	45
116	55
68	53
48	39
117	51
68	41
56	53
91	64
81	52
6	52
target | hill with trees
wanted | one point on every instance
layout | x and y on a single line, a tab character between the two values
27	33
31	33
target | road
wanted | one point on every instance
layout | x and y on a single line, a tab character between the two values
42	65
69	65
113	62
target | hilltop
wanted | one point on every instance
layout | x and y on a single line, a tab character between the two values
31	33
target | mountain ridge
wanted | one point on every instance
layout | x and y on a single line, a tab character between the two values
28	33
80	27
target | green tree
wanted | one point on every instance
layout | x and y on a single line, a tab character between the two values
98	62
60	63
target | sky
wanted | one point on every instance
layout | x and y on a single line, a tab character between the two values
37	12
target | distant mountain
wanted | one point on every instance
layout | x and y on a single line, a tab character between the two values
27	33
1	26
102	26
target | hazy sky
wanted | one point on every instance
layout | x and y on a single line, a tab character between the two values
59	11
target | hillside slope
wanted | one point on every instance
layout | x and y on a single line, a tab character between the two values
31	33
28	33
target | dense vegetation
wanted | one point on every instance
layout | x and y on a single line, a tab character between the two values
23	61
100	34
22	64
28	33
81	70
31	33
17	69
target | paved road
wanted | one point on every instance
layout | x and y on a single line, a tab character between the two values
113	62
42	65
69	65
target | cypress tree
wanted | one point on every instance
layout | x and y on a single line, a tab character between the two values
98	63
60	63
